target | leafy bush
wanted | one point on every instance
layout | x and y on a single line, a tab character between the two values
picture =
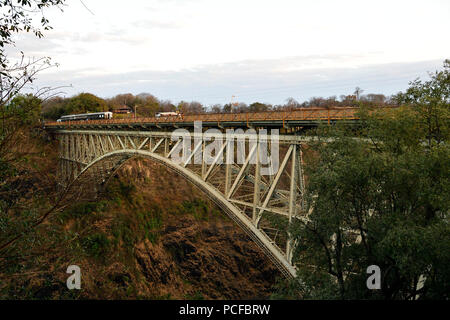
83	209
96	245
132	228
198	208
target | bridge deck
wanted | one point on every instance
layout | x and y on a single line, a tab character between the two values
304	117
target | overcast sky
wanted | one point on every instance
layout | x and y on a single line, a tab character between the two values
256	50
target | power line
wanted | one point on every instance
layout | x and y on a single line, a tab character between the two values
86	7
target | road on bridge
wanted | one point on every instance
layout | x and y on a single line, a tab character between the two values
303	117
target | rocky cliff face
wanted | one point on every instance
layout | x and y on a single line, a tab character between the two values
195	251
152	235
203	260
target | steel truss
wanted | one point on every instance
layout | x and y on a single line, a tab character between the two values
264	206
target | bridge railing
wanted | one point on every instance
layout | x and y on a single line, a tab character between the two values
302	114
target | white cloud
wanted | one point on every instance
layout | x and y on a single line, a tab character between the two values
248	80
252	44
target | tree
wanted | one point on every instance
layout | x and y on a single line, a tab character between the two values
228	108
24	109
258	107
167	106
376	98
431	100
126	99
217	108
18	17
241	107
380	200
291	103
85	102
193	107
54	107
358	92
148	105
27	190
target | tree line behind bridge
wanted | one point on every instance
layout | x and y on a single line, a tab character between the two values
146	105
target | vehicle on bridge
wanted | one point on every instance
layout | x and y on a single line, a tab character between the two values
167	114
86	116
283	119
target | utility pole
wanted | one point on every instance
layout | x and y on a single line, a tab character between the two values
234	103
358	91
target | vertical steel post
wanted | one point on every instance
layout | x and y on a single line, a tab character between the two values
257	188
166	146
229	159
150	143
301	178
203	160
292	199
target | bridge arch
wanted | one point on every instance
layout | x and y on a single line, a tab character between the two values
217	197
89	159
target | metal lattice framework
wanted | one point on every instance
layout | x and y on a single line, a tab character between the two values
280	119
262	205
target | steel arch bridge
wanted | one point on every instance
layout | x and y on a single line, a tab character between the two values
263	205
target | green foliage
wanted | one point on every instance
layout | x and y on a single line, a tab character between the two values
86	102
82	103
83	208
197	208
121	190
150	223
97	245
431	100
55	108
381	200
258	107
196	296
167	296
132	228
24	109
6	170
